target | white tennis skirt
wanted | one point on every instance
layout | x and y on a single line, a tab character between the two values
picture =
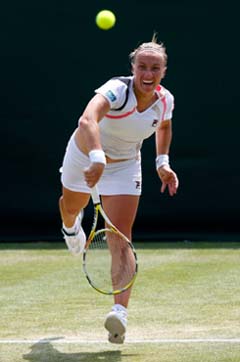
118	178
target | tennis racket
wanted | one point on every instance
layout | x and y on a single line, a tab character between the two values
109	258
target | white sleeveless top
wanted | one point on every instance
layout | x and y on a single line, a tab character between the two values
123	129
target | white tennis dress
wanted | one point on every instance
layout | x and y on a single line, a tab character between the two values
122	131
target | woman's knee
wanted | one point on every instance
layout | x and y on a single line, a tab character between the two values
72	203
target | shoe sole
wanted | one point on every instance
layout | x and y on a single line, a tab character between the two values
116	340
114	326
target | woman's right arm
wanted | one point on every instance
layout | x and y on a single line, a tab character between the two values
88	137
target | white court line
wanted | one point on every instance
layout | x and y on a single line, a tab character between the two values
129	341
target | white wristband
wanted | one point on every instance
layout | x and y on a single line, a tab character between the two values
97	156
162	160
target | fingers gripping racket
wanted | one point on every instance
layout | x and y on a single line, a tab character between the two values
109	258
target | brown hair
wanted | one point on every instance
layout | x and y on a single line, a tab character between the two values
152	46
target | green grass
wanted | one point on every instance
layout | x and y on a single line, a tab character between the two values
183	291
51	352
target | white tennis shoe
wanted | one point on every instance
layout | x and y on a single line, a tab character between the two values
116	324
76	241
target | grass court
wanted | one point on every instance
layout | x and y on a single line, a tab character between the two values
185	305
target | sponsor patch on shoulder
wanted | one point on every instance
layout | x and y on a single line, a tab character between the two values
111	95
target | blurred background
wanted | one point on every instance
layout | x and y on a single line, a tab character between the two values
52	58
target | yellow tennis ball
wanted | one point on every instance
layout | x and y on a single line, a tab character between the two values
105	19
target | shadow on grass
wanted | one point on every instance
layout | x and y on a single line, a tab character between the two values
44	351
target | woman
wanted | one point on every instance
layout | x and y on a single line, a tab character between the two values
105	149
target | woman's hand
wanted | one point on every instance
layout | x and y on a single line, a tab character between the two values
169	179
93	173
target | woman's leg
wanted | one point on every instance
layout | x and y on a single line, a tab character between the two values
122	210
70	204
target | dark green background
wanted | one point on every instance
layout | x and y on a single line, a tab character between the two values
53	57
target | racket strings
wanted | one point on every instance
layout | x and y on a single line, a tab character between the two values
123	261
111	263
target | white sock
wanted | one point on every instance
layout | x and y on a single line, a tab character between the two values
73	228
119	307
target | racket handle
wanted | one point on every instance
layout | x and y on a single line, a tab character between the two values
95	195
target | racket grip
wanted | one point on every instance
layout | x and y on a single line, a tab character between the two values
95	195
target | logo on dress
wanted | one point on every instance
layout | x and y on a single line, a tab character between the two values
111	95
138	184
155	122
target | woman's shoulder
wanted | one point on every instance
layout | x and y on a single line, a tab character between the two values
122	80
163	92
117	81
116	90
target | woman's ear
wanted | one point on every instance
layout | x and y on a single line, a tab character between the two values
132	68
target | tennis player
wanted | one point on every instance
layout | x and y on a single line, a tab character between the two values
105	148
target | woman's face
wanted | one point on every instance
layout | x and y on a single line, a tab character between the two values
148	70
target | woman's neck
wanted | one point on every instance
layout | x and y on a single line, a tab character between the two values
144	101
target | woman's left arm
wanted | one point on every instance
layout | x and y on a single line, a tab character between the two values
163	142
